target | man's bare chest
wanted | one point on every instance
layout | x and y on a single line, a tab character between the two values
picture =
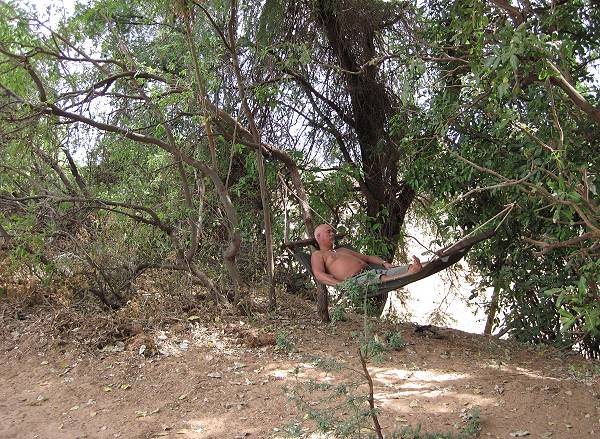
339	257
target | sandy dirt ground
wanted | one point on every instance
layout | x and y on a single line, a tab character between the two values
230	379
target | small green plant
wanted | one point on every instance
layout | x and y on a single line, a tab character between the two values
471	430
338	314
327	364
344	411
395	341
410	433
584	373
473	426
293	429
339	410
283	342
372	347
356	295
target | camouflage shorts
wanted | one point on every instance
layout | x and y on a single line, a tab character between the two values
373	276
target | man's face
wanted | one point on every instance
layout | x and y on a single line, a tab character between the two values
327	234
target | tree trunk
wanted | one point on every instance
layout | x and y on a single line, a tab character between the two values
234	236
264	196
388	198
492	311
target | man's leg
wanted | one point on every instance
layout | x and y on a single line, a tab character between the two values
402	270
367	277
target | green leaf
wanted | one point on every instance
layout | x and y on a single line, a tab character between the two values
489	61
270	22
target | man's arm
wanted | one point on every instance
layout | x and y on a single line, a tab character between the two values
318	267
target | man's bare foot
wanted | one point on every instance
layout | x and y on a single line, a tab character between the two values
415	266
412	268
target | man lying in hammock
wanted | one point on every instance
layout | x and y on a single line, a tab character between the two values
333	266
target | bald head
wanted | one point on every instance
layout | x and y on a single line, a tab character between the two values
325	236
320	229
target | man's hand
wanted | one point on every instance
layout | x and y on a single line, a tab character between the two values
415	266
387	265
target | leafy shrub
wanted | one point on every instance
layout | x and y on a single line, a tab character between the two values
283	342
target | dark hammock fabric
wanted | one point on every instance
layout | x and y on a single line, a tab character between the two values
444	259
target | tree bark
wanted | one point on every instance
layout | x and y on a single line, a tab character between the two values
492	311
234	236
372	107
266	204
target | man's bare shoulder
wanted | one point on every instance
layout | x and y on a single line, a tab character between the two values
317	259
318	254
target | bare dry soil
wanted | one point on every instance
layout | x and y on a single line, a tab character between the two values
229	377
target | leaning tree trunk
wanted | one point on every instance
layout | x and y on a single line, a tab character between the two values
371	108
232	250
266	203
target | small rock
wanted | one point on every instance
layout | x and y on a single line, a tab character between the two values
519	433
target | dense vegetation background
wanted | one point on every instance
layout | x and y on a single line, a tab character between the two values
186	140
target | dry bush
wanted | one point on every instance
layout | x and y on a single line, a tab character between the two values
69	313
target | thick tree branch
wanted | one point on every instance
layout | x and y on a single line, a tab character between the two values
571	91
547	246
